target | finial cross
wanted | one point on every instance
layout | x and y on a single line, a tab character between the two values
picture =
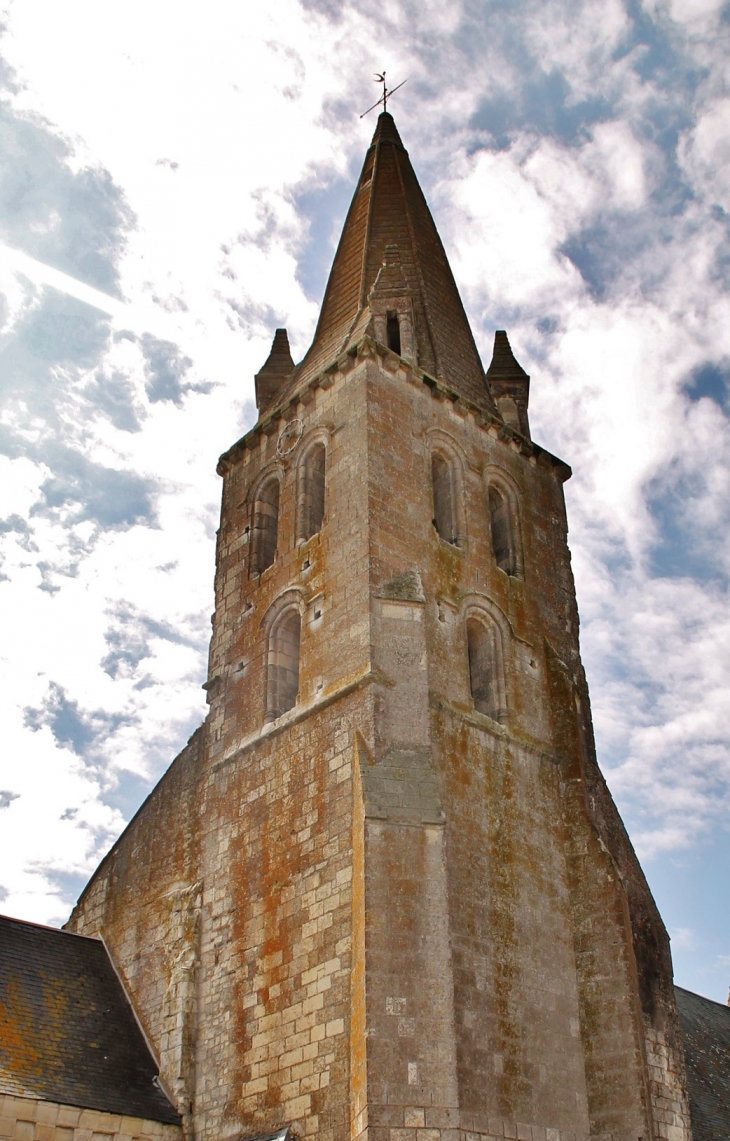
380	78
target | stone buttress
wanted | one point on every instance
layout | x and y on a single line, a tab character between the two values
384	893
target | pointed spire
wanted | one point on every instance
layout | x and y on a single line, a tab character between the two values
272	377
389	209
509	384
386	130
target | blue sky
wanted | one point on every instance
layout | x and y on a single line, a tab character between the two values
173	180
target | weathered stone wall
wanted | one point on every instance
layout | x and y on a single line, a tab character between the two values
385	914
276	958
555	939
269	955
326	577
227	902
514	1023
662	1046
29	1119
277	810
144	900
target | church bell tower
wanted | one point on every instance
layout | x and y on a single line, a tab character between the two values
384	894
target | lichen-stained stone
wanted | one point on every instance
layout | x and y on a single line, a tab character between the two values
404	908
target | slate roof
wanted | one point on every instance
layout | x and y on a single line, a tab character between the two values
67	1031
389	209
706	1033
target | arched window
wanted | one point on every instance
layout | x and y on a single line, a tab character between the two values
486	672
312	492
503	538
265	525
444	498
282	679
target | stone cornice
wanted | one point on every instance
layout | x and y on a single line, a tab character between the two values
368	349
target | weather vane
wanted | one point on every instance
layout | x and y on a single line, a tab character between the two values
385	96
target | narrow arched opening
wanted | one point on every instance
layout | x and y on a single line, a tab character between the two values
392	330
485	668
282	681
312	492
502	528
444	498
265	525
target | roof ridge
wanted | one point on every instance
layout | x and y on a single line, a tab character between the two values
368	219
716	1002
48	927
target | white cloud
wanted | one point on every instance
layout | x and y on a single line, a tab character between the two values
683	938
706	153
700	15
56	823
579	40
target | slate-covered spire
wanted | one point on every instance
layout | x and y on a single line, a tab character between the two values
509	384
272	377
389	210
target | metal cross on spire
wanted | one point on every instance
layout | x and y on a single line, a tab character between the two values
380	78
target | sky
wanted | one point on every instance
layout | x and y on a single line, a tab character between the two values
173	180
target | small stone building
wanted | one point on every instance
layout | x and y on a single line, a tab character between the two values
384	893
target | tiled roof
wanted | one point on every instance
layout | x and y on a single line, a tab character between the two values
706	1033
67	1031
389	209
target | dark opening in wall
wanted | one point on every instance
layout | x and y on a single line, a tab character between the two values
485	668
503	544
444	499
265	526
393	332
312	495
282	683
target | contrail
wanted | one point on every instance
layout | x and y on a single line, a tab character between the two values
43	274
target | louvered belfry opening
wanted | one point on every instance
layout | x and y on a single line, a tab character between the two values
312	492
444	499
265	526
283	665
503	545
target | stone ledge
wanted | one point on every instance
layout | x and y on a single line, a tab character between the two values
300	713
368	349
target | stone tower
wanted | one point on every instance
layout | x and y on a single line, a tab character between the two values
384	892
